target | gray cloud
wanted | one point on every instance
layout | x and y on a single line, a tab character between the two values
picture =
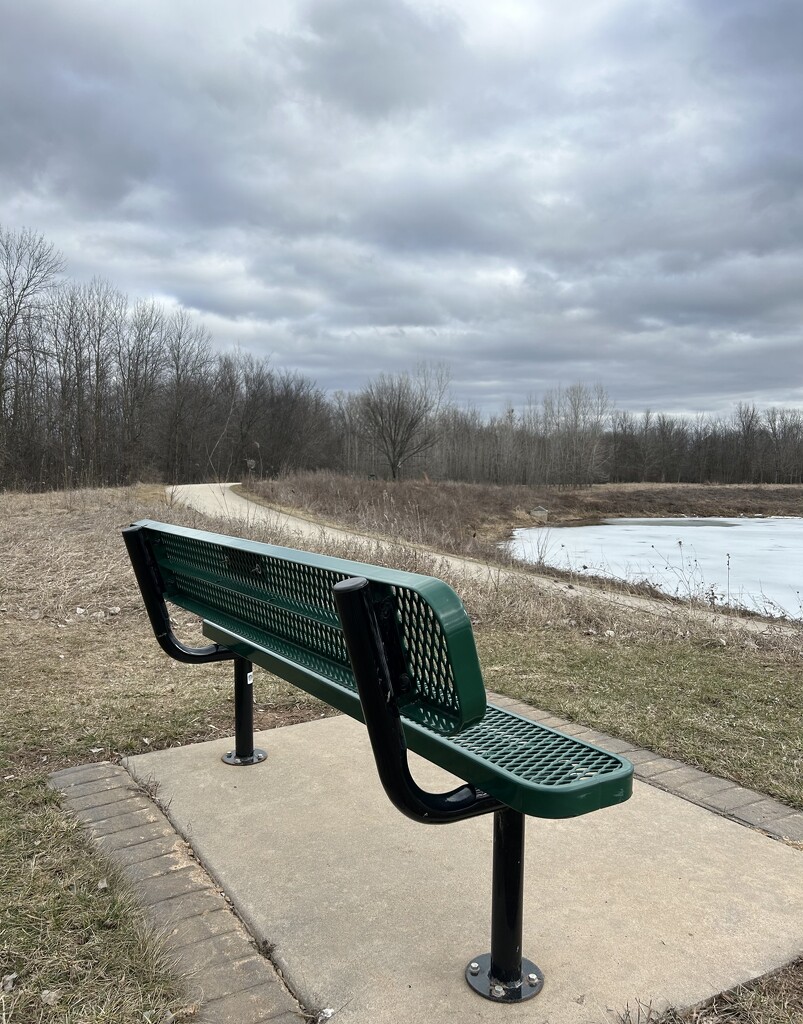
377	59
608	191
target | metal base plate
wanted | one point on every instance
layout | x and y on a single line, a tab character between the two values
257	757
478	975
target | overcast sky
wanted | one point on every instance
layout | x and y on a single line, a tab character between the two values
533	192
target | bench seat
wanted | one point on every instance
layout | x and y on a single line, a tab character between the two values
526	765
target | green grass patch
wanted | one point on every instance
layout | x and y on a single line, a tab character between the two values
709	705
74	946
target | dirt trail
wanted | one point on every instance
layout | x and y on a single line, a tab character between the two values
221	501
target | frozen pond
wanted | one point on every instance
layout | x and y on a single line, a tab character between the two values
749	563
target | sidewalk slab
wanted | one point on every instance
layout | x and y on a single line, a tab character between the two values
657	901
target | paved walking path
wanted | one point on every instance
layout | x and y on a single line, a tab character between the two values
363	913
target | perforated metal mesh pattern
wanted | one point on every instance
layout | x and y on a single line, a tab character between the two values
314	645
289	606
292	603
425	648
532	752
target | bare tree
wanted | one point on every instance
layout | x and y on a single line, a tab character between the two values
576	419
746	422
63	335
28	266
185	397
298	432
398	414
784	428
671	438
623	445
699	448
346	423
102	304
138	366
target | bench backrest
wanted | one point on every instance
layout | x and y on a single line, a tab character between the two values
274	606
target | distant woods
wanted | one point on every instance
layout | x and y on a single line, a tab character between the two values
96	390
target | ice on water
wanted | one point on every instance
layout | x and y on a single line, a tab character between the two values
748	563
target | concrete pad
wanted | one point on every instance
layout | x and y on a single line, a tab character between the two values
656	901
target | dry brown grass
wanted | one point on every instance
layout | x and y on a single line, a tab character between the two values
78	647
463	517
776	998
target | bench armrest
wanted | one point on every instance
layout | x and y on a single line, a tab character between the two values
383	721
150	583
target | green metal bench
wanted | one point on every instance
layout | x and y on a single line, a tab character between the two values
396	651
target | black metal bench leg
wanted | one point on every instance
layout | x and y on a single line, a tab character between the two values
244	752
503	975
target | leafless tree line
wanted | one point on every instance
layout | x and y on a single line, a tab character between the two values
95	390
576	437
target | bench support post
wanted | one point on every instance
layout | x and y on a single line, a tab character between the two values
244	752
503	975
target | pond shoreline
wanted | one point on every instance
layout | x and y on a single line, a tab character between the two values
747	563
